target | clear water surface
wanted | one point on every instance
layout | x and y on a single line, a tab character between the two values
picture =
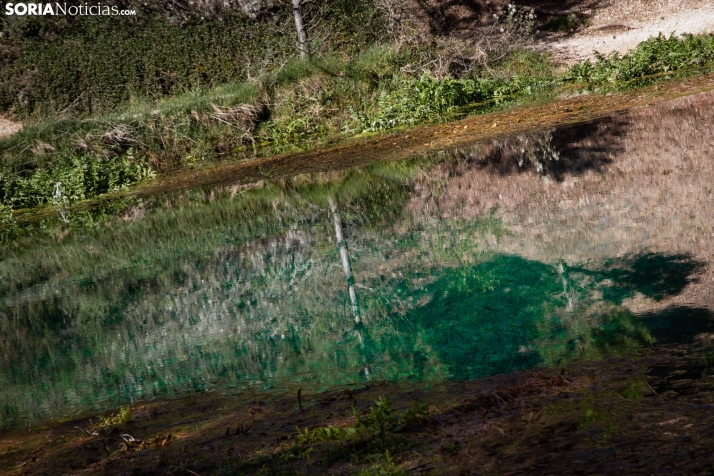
532	250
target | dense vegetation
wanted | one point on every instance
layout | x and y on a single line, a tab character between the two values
90	65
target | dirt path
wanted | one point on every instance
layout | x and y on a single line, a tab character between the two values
621	25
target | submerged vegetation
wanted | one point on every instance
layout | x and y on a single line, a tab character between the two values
242	288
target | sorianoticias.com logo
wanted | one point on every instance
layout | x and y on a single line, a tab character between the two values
41	9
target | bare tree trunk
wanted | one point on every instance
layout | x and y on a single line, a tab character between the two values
345	260
300	27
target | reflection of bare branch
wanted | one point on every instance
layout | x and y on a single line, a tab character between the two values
345	259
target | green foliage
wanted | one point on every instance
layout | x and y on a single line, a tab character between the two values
95	64
524	63
415	101
5	214
70	179
329	433
385	466
636	390
123	416
90	65
377	64
419	100
656	55
378	421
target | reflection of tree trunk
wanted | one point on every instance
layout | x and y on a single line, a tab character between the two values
300	27
345	260
568	293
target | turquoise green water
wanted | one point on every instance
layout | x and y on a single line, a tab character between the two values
217	289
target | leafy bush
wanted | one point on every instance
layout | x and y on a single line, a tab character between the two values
71	179
416	101
124	416
656	55
378	421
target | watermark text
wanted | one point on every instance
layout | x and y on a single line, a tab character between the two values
38	9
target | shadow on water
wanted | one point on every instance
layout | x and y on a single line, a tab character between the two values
481	318
568	150
679	324
511	313
654	275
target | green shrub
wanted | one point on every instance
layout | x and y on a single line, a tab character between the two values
70	179
656	55
90	65
416	101
378	421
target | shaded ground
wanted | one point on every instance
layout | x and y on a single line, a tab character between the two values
648	414
621	25
601	25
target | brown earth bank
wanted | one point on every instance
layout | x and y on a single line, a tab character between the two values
649	413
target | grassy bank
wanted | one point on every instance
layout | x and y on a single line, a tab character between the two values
301	104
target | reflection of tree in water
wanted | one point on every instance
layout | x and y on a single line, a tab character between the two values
509	312
567	150
253	289
655	275
345	259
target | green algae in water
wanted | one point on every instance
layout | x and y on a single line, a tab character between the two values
482	320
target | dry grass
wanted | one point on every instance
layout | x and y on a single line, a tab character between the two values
8	127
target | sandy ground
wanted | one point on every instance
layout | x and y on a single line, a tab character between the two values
621	26
8	127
